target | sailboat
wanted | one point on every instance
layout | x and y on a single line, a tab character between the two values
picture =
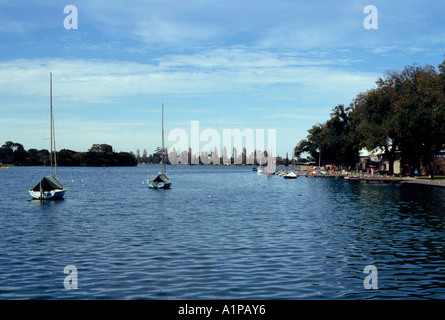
161	181
292	174
271	165
259	169
49	188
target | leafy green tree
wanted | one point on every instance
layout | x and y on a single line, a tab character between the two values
333	142
339	140
6	152
101	148
156	157
374	119
13	153
66	157
405	114
38	157
423	110
126	159
312	144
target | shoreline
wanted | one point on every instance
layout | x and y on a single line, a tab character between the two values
439	182
427	182
399	180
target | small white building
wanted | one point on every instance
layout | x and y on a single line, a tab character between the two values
376	158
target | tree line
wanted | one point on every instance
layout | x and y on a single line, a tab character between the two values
403	115
98	155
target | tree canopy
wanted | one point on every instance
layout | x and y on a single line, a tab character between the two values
97	155
333	142
403	115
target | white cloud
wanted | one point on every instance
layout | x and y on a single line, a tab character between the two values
215	59
156	31
120	89
219	71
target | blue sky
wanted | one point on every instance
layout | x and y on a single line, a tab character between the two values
228	64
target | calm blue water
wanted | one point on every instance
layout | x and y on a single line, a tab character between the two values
219	233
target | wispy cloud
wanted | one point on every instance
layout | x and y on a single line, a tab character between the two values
156	31
219	71
225	62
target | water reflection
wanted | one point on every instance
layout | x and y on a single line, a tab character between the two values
46	203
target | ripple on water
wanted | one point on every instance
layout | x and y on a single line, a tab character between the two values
220	233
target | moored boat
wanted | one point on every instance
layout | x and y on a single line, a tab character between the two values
270	169
161	181
290	175
49	188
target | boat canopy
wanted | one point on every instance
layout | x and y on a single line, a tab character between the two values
48	183
162	178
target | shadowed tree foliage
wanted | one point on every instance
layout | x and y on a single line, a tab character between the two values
103	155
69	158
333	142
156	157
404	114
13	153
97	155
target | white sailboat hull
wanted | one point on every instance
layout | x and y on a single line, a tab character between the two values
159	185
291	175
48	195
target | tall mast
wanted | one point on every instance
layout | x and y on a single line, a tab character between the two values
55	152
163	153
292	160
51	116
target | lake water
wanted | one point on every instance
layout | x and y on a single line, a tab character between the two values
218	233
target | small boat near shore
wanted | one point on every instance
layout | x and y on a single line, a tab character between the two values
290	175
270	169
3	166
